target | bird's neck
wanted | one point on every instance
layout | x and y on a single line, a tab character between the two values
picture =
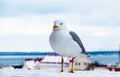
60	29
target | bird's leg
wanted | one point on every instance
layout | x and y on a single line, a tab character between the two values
71	71
62	64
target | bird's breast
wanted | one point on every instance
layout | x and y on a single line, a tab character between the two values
62	43
58	39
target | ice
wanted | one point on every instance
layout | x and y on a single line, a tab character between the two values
55	73
52	70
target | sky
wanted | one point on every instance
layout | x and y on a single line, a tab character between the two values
25	25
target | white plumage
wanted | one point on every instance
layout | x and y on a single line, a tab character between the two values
65	42
62	42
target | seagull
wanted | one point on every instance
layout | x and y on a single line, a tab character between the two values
66	43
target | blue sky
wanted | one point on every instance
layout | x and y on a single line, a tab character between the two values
25	25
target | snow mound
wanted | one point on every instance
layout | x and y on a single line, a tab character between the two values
54	73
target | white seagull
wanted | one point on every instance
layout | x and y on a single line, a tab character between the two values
66	43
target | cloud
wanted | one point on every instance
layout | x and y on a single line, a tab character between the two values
84	7
31	32
24	43
21	7
98	37
26	24
41	24
106	13
25	33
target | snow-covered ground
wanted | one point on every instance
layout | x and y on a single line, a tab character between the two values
54	72
48	70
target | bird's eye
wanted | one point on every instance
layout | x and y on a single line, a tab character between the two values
61	23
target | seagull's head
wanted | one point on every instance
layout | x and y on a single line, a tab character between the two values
59	25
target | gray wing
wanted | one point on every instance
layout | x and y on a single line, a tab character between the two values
77	39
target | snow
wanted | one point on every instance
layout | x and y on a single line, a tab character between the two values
55	59
50	70
30	64
55	73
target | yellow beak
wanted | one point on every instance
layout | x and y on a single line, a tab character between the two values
55	26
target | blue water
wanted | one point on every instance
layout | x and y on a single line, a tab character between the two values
18	58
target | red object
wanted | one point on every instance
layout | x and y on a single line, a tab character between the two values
110	68
93	67
117	69
38	59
